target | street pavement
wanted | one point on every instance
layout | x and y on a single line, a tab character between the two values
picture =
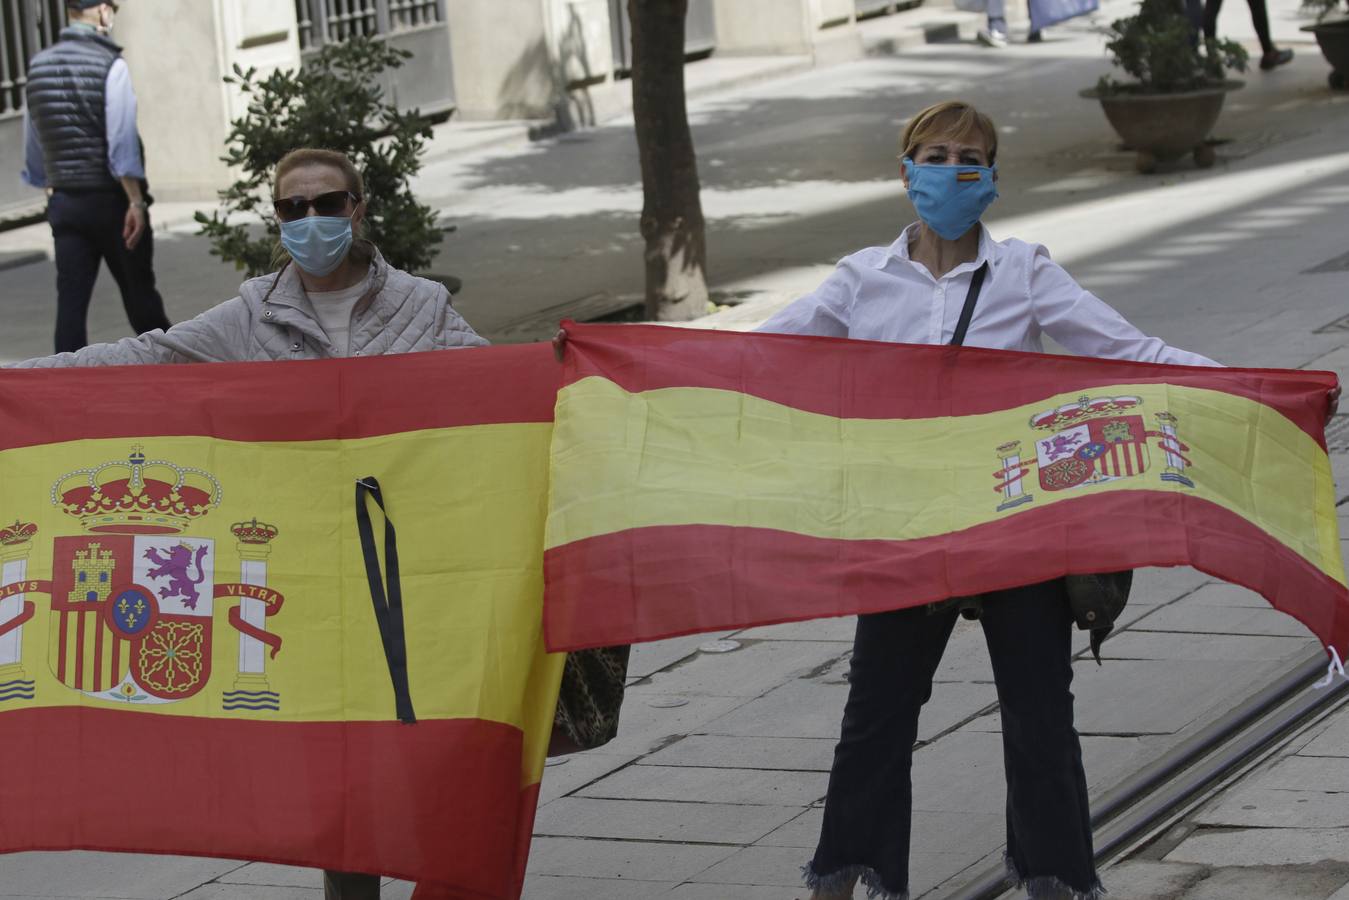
713	787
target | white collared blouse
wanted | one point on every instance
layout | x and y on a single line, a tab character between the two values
880	294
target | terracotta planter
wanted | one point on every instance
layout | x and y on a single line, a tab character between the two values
1334	40
1163	127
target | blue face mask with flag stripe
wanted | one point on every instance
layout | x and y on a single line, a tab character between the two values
951	199
318	244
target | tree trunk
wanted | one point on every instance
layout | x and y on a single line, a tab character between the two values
672	215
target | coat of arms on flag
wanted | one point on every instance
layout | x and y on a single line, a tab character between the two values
1093	441
133	597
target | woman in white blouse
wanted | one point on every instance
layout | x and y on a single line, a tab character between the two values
1010	293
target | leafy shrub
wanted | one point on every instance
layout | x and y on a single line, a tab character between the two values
1159	48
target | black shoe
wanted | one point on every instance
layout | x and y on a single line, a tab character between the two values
1034	37
1275	58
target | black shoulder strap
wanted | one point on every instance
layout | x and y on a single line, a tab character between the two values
971	298
388	614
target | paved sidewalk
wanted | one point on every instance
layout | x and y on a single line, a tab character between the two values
713	786
1280	832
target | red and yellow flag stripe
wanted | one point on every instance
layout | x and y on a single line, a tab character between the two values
704	480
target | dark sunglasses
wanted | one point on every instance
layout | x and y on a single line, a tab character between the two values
332	203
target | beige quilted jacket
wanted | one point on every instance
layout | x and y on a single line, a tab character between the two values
272	319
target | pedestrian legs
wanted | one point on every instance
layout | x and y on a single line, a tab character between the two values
134	273
77	259
995	35
1270	56
87	229
1049	844
868	809
350	886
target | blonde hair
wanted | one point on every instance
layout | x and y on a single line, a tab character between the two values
311	156
306	156
950	118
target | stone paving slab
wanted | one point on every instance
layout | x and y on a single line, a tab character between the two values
1150	880
1263	847
711	785
933	831
732	892
1333	740
1219	593
840	628
800	708
652	820
107	876
754	669
256	892
1202	618
649	720
264	874
1283	883
644	861
555	887
649	658
1132	645
1264	807
1143	697
568	773
1302	773
719	751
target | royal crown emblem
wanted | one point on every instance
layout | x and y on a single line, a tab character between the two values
136	496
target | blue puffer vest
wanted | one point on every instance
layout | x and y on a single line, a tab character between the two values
67	97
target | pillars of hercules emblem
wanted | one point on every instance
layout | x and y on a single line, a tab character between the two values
1012	473
251	689
1173	449
16	542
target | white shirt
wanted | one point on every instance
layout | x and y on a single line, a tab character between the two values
333	309
880	294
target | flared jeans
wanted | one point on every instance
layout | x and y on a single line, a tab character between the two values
868	809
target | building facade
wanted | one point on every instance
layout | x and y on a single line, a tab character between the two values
479	59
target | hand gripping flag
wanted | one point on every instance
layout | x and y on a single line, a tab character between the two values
705	480
195	657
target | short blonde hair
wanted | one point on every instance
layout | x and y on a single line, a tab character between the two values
308	156
950	118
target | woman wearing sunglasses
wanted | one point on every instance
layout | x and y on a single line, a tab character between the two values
333	295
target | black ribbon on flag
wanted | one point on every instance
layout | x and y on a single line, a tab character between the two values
388	611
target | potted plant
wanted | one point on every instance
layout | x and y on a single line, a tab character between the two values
1178	87
1333	36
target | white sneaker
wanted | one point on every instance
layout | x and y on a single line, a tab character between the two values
995	39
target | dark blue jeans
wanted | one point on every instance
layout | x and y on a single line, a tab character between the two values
87	228
868	809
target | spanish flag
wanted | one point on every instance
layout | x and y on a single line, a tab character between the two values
706	480
213	641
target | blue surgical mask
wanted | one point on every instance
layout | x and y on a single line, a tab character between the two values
318	244
951	199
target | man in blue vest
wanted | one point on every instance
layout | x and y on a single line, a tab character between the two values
81	145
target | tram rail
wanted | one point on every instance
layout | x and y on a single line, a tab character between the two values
1194	769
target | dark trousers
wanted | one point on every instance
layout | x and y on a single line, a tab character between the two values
350	886
88	230
868	810
1259	18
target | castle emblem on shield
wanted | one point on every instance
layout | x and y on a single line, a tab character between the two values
133	596
1092	441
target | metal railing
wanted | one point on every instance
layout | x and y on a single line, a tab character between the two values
333	21
26	26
